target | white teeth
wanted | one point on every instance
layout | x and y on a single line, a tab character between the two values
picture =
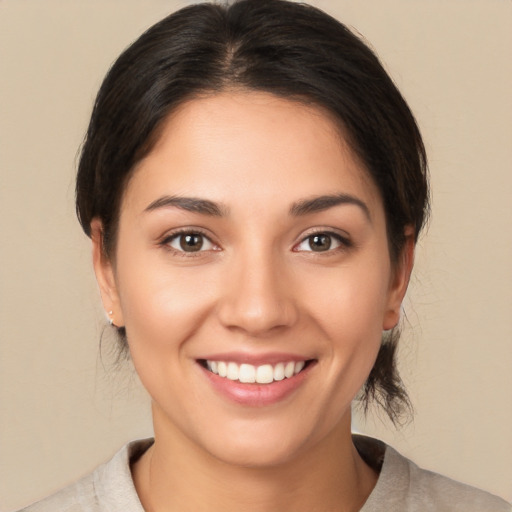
265	374
232	373
248	373
223	368
289	369
279	371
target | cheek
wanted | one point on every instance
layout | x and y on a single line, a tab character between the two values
161	304
353	299
162	308
350	310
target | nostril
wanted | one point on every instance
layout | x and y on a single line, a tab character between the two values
257	317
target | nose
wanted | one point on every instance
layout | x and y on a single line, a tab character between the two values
259	297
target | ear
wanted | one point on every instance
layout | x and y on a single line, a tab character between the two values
105	276
399	280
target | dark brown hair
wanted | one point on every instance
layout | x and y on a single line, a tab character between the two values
290	50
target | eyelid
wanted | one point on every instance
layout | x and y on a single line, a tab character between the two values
175	234
343	240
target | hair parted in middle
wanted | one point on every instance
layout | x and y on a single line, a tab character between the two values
293	51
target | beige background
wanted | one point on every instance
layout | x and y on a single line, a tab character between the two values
61	413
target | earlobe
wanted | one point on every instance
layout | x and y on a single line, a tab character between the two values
400	281
105	277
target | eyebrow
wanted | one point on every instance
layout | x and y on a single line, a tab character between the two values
321	203
190	204
302	207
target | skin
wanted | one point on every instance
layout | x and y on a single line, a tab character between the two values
256	287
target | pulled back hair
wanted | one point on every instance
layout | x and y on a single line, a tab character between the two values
291	50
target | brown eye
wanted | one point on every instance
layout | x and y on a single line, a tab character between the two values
190	242
320	242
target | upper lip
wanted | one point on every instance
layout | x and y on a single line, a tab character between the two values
255	359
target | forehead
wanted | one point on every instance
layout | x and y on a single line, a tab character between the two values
250	146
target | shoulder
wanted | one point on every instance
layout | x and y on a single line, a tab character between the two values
404	486
109	488
77	497
448	494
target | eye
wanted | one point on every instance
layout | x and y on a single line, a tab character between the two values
322	242
189	241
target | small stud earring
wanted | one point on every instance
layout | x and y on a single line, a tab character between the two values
110	321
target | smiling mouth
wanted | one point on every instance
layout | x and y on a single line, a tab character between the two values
251	374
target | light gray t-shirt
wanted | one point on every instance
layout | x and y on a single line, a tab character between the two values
402	486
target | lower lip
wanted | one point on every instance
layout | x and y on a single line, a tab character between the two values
256	395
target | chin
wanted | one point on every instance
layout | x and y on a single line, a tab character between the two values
262	454
263	444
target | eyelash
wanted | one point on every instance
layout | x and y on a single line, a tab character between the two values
344	242
175	236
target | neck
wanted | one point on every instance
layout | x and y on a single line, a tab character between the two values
176	475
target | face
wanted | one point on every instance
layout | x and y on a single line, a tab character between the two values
252	274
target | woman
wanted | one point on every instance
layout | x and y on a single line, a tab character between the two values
254	185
